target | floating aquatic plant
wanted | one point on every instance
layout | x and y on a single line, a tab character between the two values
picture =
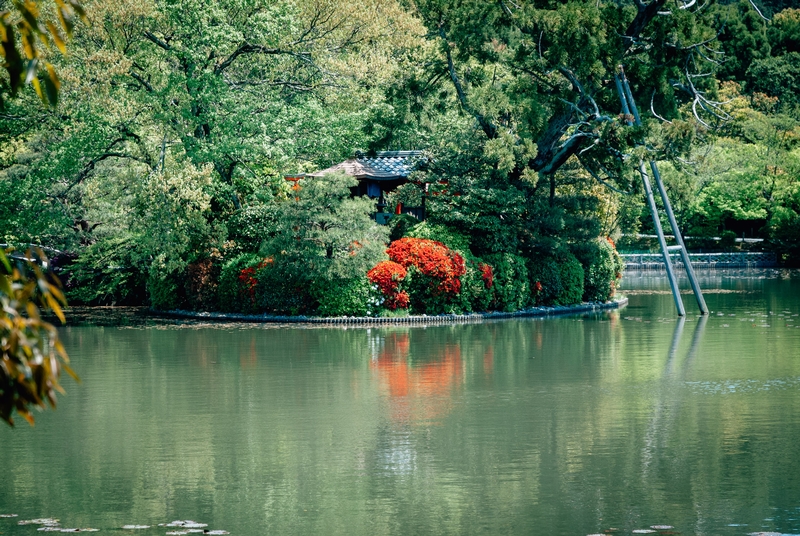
41	521
187	524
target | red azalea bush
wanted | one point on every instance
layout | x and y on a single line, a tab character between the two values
431	282
388	275
433	259
249	276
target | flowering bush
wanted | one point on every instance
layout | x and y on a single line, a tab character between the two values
422	273
487	274
388	275
249	276
235	293
432	259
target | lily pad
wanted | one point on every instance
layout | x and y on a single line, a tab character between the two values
41	521
186	524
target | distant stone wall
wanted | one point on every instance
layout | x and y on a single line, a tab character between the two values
655	261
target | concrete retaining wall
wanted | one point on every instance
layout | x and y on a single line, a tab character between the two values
655	261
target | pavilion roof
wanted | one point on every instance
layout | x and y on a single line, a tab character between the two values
384	165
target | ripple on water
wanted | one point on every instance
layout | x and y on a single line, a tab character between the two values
743	386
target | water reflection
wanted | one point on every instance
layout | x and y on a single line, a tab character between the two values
418	385
542	426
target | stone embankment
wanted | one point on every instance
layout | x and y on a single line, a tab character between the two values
411	319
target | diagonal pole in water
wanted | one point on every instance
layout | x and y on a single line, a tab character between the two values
673	223
651	203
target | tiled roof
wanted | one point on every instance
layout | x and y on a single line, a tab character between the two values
384	165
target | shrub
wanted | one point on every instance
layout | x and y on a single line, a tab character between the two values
284	291
165	289
511	283
202	279
346	297
572	280
603	266
440	233
233	294
388	275
545	276
400	224
107	273
477	285
556	280
433	274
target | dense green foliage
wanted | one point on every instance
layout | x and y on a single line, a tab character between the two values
162	168
602	267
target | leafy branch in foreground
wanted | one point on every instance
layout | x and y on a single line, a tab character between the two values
32	354
27	26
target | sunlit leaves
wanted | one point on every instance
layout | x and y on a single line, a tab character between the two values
31	354
25	29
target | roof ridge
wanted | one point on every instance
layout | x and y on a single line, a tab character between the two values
360	155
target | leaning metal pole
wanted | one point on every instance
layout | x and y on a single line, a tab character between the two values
651	203
673	223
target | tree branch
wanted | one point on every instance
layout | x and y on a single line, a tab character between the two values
139	78
487	126
149	36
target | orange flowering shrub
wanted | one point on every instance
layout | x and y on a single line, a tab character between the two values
487	274
388	275
433	259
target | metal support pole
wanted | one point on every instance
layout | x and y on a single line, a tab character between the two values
651	203
698	295
687	263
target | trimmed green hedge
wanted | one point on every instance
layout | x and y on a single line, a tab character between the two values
603	266
560	278
511	287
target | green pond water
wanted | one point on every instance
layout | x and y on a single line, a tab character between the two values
572	425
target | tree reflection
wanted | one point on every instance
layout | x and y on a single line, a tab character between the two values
418	390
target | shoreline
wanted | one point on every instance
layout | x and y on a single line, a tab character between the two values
560	310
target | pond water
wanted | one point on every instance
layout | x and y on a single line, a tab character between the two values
571	425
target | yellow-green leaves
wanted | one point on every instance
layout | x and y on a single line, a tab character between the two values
24	30
31	354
